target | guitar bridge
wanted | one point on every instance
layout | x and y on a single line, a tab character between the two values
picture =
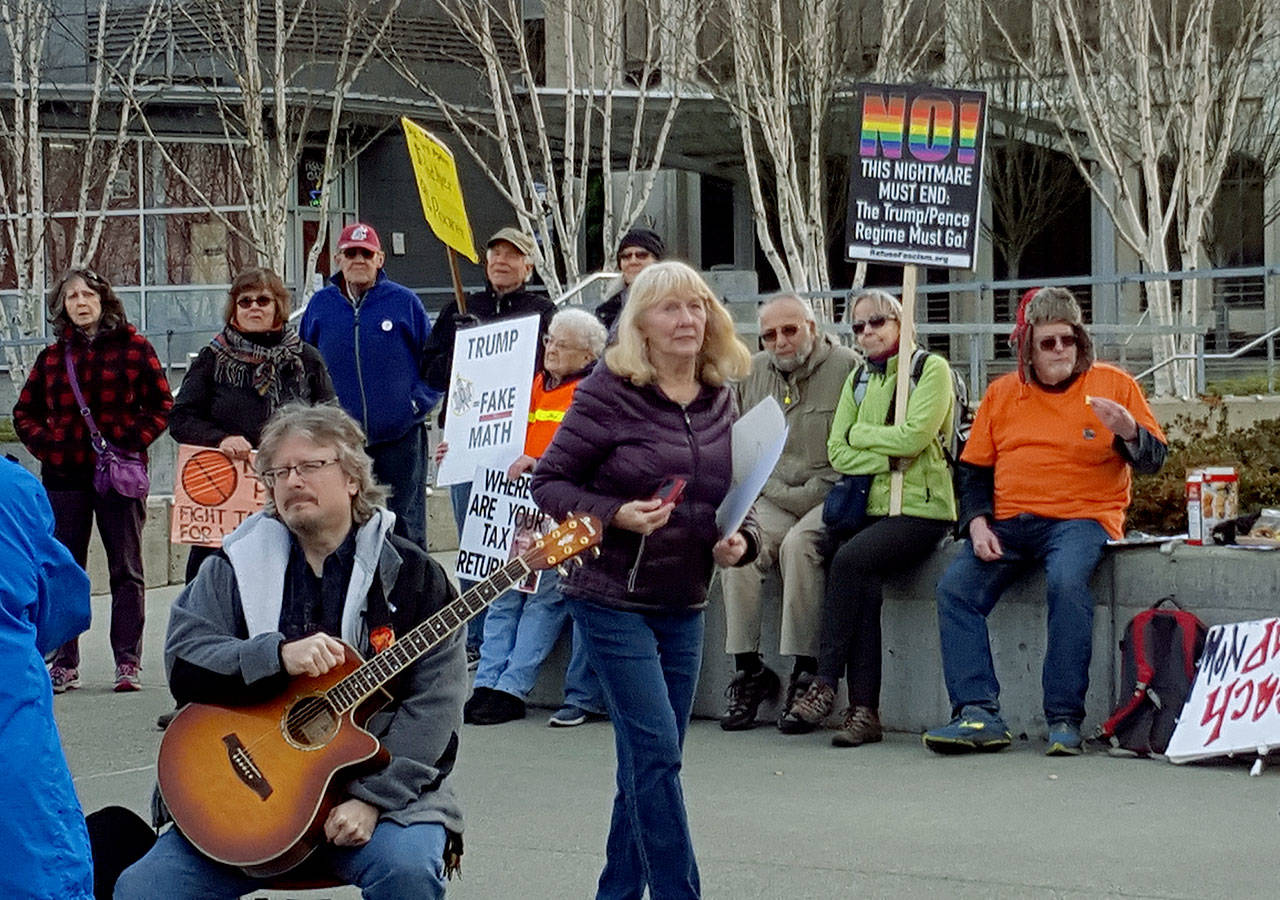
245	768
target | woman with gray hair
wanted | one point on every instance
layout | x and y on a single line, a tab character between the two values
521	628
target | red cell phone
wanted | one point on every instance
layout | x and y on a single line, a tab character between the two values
671	491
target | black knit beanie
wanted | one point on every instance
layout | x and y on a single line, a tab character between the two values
645	240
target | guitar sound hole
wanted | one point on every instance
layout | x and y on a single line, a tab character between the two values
311	722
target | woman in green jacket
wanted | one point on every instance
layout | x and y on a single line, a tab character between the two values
864	442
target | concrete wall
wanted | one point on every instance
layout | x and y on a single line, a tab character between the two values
1218	584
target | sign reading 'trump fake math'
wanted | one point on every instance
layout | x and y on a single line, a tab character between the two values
915	180
1234	705
488	399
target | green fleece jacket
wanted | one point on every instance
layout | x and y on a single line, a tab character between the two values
862	444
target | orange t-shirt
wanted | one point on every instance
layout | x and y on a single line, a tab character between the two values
1051	454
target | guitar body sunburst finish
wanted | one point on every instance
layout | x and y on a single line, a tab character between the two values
249	785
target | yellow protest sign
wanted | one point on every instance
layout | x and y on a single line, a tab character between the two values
439	188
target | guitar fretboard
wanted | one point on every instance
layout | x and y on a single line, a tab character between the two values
351	691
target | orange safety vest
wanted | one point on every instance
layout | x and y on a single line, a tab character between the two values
546	412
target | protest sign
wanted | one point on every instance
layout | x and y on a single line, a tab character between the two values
915	180
757	441
212	494
439	189
488	399
1234	705
501	521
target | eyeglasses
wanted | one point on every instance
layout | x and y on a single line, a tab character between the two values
1049	344
559	344
362	252
261	300
305	470
634	254
874	322
787	331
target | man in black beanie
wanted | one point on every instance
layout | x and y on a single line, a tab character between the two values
638	249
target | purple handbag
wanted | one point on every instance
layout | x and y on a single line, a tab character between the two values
116	470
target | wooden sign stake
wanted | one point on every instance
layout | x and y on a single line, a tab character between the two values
457	280
906	344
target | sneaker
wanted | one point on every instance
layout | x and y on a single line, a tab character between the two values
808	712
861	726
473	658
567	716
64	679
974	729
501	707
746	693
1064	740
163	720
128	678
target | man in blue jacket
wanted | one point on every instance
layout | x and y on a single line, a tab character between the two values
44	602
373	334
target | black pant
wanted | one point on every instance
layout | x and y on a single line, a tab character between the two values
120	526
855	592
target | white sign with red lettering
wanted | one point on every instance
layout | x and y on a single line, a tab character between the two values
1234	705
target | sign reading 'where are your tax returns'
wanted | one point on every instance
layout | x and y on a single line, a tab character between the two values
915	180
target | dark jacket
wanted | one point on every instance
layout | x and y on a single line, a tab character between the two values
609	311
123	383
487	307
375	351
207	410
619	442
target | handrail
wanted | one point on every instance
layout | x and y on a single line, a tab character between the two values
583	285
1207	356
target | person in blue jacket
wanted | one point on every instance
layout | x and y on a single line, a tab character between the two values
372	334
44	602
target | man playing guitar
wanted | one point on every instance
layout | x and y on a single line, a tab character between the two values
318	563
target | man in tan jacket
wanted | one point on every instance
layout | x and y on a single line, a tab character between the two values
804	370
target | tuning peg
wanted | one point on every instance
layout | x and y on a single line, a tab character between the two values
564	572
579	561
595	551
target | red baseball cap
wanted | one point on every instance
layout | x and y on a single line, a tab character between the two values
358	234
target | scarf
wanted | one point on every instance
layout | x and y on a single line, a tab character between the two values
274	369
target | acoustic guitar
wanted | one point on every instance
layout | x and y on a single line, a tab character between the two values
251	786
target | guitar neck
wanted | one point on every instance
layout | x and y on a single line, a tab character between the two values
351	691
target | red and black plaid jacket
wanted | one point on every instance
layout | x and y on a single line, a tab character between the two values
123	383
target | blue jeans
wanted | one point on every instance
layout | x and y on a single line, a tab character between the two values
402	466
1070	550
460	496
396	864
581	686
519	631
648	667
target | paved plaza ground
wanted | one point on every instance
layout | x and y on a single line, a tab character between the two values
783	817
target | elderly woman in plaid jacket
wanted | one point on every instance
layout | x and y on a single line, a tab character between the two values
125	389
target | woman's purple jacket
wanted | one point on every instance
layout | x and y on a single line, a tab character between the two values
619	442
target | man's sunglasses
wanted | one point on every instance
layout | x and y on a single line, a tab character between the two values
1049	344
875	322
362	252
262	300
787	331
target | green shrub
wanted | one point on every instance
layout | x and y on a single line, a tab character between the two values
1160	500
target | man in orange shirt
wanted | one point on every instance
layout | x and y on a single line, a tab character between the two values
1044	479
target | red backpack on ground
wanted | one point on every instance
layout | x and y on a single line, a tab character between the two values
1158	657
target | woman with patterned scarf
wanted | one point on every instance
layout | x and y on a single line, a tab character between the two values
255	365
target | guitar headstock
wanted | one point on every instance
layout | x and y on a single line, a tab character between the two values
576	534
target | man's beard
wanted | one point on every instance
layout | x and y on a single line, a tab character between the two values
793	362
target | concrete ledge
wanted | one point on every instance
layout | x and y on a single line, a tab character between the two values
1217	583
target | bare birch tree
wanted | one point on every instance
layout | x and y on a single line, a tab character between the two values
540	138
292	70
99	151
790	60
1145	98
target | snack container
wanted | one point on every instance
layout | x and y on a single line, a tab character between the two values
1195	485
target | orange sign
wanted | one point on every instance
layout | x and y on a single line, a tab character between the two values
212	494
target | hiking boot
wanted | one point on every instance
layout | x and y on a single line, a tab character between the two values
64	679
1064	739
128	678
974	729
808	712
746	693
501	707
797	684
861	726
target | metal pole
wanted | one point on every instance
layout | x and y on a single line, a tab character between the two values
1200	377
